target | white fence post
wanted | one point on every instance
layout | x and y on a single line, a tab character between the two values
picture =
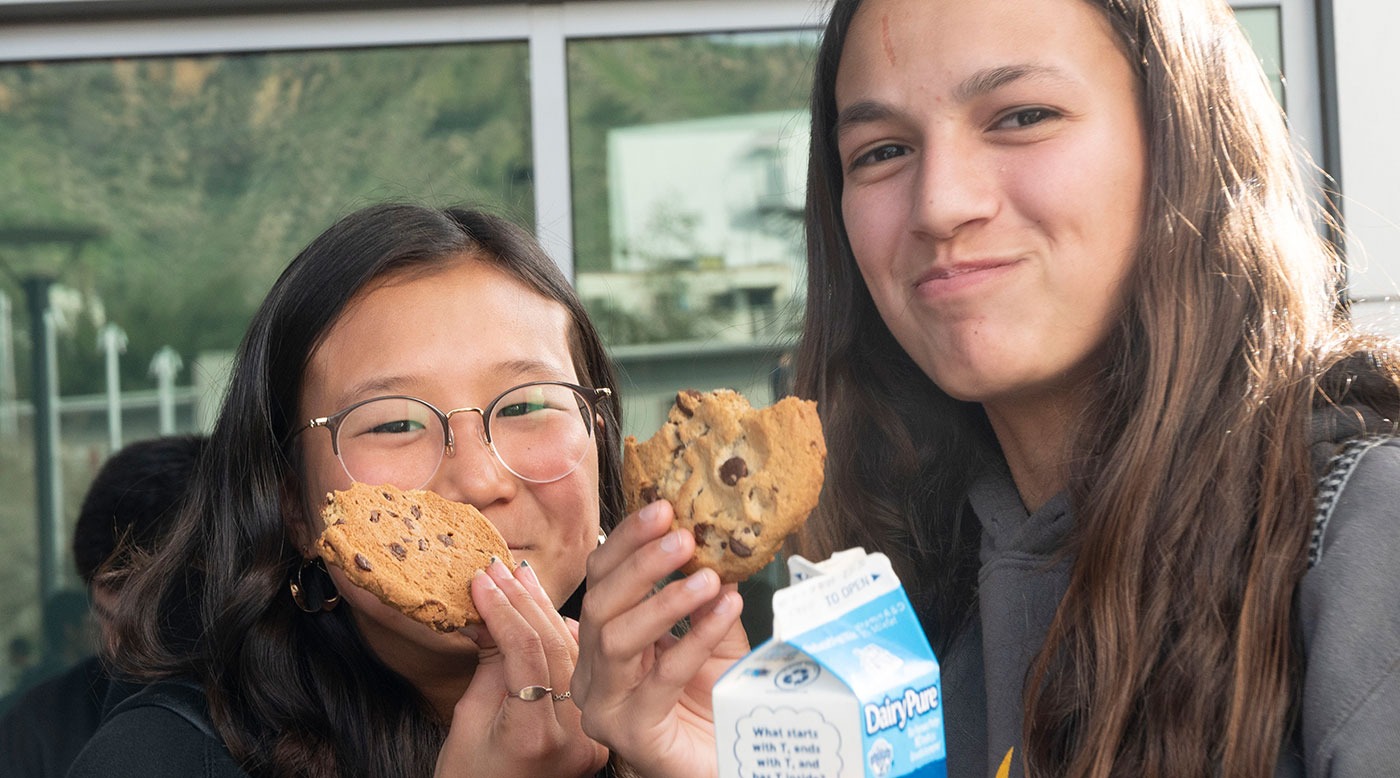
113	341
165	366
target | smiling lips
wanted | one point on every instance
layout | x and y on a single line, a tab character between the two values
960	275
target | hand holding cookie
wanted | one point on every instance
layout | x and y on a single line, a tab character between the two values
643	692
518	717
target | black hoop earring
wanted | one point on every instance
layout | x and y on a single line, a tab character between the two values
313	599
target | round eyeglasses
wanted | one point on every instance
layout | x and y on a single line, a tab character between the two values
540	431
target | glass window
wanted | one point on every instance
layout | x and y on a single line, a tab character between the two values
164	195
689	171
1264	28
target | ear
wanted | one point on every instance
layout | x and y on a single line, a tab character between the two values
598	419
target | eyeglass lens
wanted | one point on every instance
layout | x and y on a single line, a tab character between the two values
540	432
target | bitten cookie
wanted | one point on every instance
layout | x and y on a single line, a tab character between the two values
740	479
416	550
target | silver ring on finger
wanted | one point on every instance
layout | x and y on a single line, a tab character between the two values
564	696
531	693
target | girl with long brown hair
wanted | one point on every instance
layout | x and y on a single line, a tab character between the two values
1072	331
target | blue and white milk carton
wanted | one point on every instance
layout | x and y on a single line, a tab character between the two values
847	686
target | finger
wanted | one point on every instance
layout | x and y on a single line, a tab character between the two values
646	623
573	627
632	581
635	531
522	654
550	633
525	574
678	664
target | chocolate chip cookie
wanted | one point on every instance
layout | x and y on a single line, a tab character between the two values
740	479
415	550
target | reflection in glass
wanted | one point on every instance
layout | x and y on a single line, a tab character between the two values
200	177
689	185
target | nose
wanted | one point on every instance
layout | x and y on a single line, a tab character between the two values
955	189
470	471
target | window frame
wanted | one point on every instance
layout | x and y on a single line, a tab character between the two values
547	29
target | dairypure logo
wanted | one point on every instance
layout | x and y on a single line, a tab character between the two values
899	711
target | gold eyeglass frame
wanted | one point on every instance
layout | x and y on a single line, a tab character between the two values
591	398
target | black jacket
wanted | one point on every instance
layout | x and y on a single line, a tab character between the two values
162	731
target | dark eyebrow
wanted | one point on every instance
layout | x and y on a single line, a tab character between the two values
520	370
860	113
989	80
980	83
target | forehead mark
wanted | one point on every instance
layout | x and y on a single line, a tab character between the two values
885	40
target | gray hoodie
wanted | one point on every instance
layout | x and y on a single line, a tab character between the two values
1349	608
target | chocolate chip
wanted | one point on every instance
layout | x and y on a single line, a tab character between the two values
685	407
731	471
374	515
388	496
422	544
338	522
677	451
446	540
400	553
416	511
649	494
363	563
702	531
756	529
407	522
330	498
739	549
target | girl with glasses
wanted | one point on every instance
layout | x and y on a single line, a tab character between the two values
425	348
1074	336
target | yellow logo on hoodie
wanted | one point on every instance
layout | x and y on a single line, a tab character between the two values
1005	770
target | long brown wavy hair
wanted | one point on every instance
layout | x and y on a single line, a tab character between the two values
291	693
1174	651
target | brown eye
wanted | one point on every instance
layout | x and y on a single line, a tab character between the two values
1024	117
880	154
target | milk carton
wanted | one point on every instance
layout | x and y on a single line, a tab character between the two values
847	686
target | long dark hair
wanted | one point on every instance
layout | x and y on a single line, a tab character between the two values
1174	650
293	694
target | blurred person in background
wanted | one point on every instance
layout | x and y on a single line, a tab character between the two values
19	659
128	508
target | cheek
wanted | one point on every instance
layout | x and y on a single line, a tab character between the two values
872	229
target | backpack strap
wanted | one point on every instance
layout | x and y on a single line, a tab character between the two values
1329	489
182	697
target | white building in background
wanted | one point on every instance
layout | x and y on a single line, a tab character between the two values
705	218
1367	114
723	192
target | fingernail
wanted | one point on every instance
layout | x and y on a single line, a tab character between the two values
526	573
671	542
650	513
471	631
724	605
497	567
698	581
524	563
486	579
